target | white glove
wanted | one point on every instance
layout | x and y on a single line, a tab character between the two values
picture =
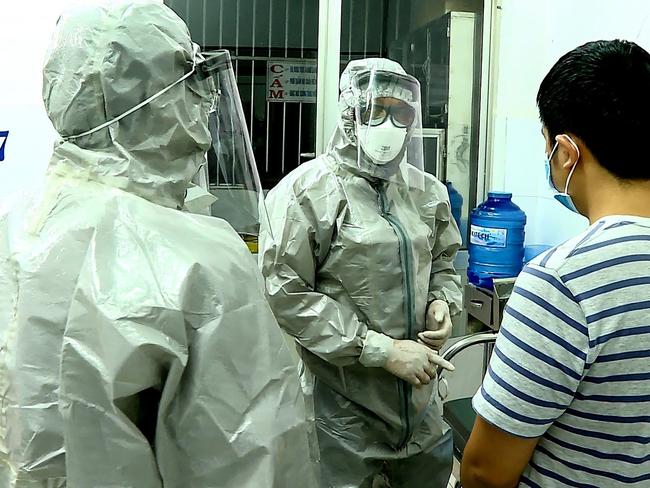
406	359
438	325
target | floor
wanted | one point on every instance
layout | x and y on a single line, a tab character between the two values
455	475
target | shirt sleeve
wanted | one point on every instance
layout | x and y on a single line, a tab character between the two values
539	357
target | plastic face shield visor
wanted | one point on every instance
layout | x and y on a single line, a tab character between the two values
389	126
233	176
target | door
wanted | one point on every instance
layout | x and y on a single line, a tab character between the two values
440	43
274	48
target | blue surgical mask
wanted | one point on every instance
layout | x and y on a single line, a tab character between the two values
563	197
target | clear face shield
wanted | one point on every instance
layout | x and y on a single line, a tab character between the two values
231	169
388	121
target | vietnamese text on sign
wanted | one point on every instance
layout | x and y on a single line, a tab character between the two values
291	80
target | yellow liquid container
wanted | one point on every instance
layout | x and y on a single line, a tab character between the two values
252	243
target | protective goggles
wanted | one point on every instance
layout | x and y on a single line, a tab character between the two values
401	113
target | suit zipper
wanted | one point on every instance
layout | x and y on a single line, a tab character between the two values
406	260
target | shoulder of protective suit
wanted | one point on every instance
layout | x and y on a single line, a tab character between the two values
435	187
432	195
204	252
194	226
315	176
432	187
120	216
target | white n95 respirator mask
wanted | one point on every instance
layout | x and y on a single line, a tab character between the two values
382	143
382	128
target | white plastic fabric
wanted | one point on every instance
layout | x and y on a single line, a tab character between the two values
138	349
384	152
356	256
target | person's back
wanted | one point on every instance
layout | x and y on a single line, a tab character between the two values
138	349
565	401
104	322
591	369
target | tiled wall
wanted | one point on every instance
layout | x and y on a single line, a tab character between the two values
533	36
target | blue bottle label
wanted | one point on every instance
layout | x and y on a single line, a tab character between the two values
488	237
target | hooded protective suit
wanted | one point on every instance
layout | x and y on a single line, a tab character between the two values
138	349
359	251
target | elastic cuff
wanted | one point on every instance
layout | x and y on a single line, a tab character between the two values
439	295
376	348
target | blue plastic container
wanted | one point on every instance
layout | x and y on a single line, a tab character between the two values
496	248
456	201
534	250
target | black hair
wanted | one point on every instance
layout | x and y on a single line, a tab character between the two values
601	93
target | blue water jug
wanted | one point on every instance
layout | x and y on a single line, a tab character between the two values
456	201
534	250
496	248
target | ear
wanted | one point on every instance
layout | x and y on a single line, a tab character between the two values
547	140
568	152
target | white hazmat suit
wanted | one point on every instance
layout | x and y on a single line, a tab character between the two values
137	347
363	243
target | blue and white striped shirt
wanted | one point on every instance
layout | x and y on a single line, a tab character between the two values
572	361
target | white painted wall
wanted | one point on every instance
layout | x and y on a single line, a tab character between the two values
24	38
533	35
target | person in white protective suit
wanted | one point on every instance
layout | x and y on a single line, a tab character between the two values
360	271
138	348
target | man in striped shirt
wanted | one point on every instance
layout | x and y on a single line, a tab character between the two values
566	399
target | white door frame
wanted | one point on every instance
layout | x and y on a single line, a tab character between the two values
489	76
329	55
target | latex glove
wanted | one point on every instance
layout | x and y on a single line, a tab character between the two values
406	359
438	325
415	363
